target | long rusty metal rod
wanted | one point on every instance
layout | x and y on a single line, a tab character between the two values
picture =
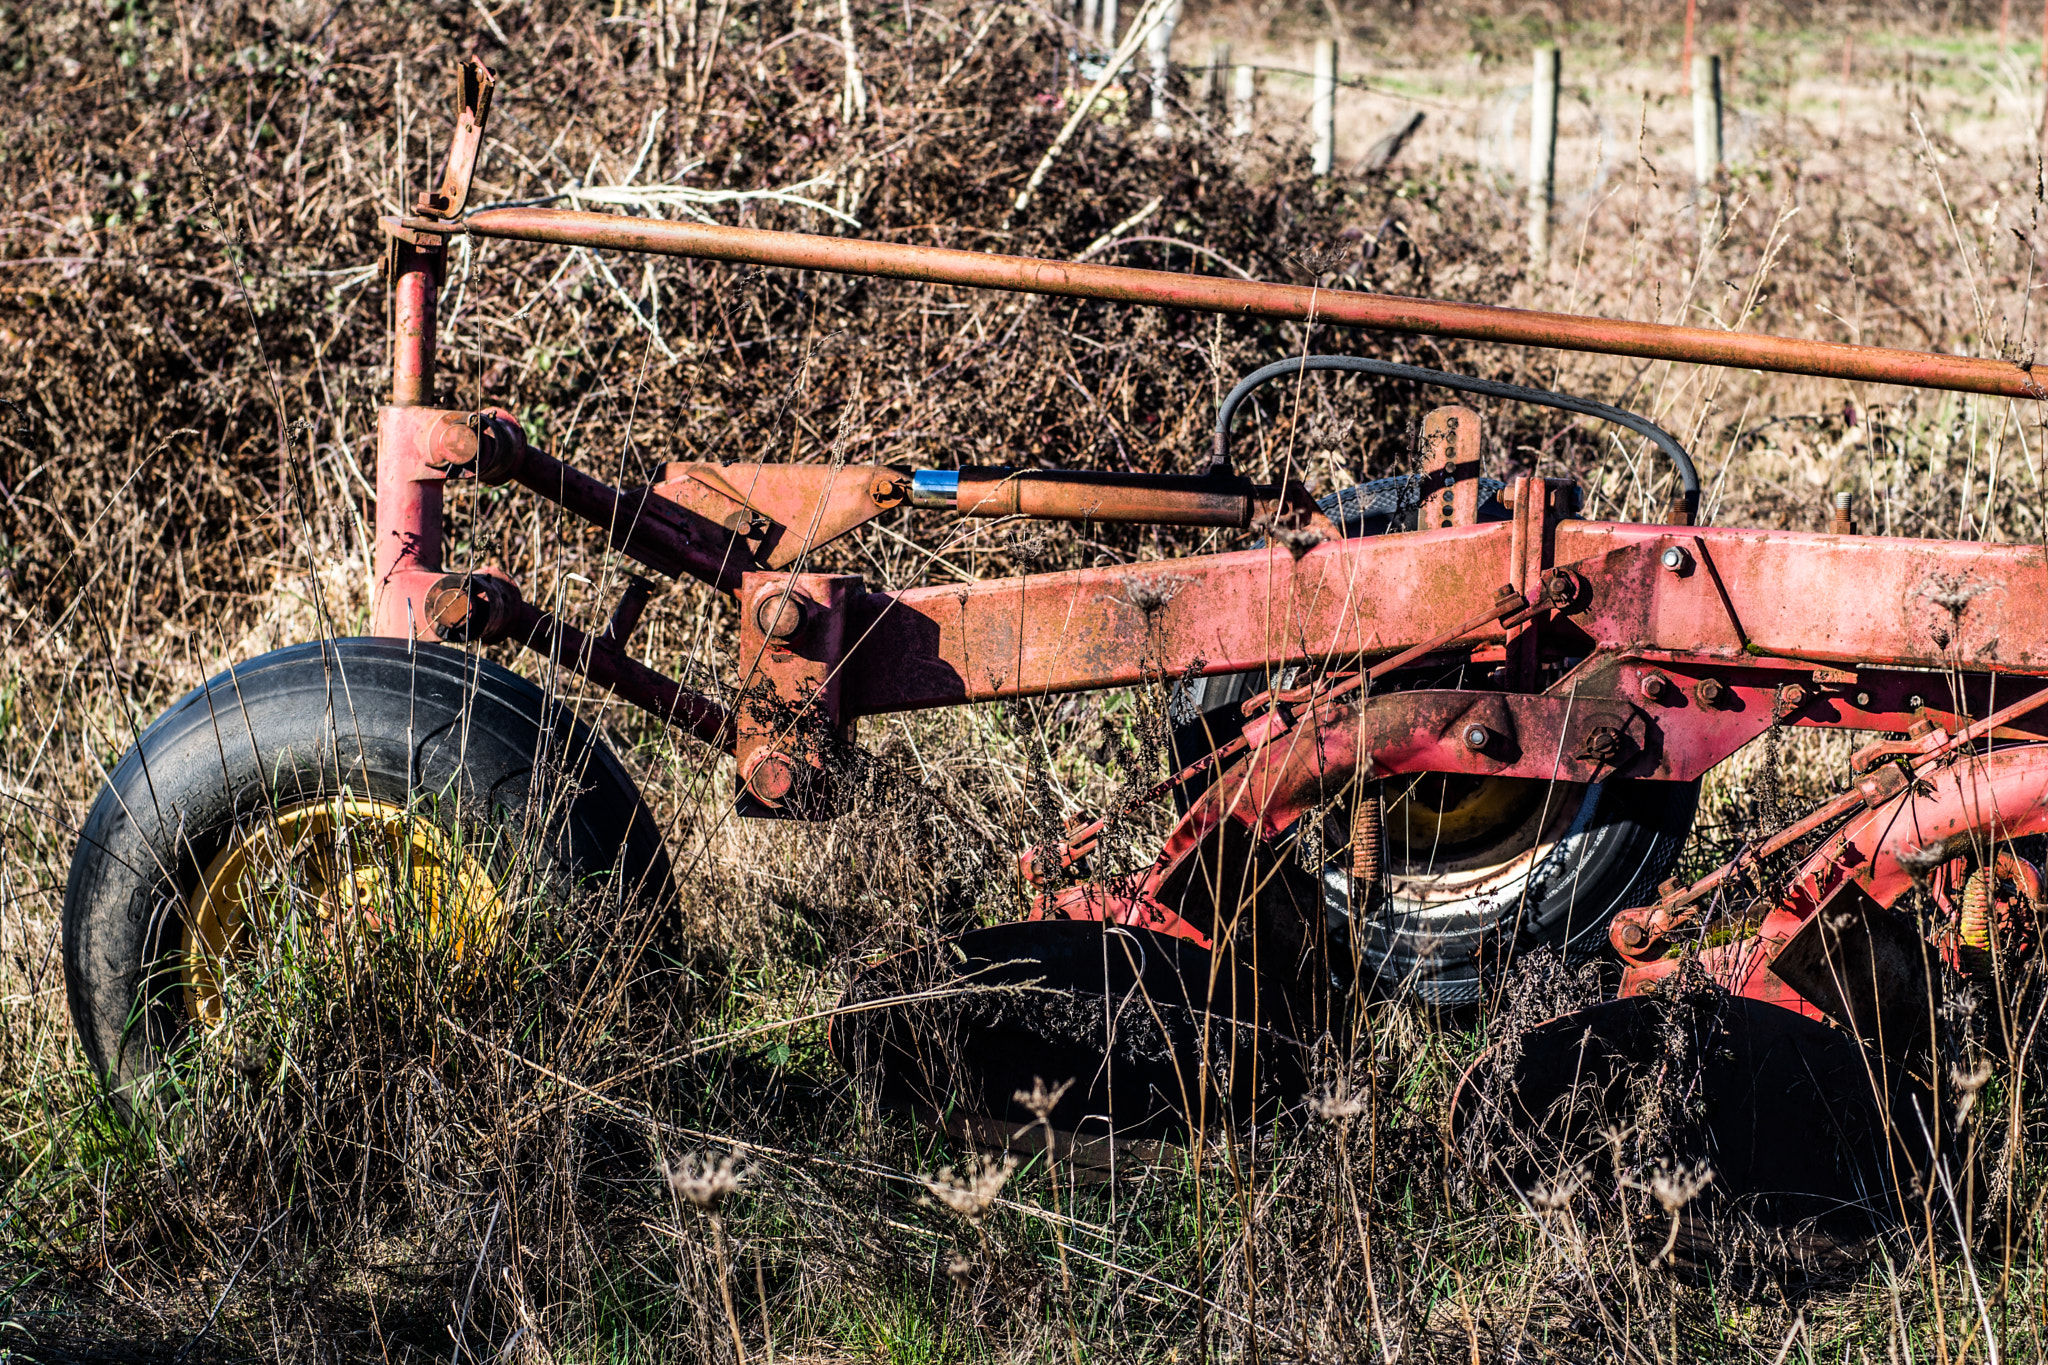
1285	302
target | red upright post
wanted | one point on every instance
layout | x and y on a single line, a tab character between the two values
408	523
1685	57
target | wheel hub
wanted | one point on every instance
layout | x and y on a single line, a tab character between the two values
329	864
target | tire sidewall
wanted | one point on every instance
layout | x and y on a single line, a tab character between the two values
473	746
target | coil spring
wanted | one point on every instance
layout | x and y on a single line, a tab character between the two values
1366	824
1973	923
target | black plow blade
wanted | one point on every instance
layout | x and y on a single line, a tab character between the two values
1761	1132
1149	1037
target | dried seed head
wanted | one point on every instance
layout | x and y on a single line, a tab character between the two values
702	1178
1551	1198
1334	1107
1039	1100
959	1267
1967	1084
970	1191
1674	1189
1324	260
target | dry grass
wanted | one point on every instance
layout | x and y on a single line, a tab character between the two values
191	349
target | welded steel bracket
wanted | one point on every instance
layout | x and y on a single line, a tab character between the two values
473	86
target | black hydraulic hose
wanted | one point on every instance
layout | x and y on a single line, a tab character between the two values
1688	477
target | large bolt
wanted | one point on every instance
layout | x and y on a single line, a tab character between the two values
1655	685
1709	691
1793	696
469	608
781	615
1631	936
888	489
1675	559
771	776
1477	737
1605	744
1562	588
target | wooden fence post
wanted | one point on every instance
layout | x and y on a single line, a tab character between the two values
1322	109
1244	92
1706	140
1159	50
1542	154
1216	82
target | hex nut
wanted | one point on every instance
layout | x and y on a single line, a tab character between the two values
1709	691
1654	686
1605	744
1675	559
1477	737
1563	589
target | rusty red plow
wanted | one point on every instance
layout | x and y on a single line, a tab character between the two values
1488	712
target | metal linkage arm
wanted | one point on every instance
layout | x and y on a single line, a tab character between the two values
1251	298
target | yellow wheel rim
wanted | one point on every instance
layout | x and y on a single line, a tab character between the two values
330	866
1449	811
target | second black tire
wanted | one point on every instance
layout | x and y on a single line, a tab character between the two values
1526	864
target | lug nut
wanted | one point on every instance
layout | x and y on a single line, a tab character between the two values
1709	691
1477	737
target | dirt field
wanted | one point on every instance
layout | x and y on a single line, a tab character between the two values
438	1162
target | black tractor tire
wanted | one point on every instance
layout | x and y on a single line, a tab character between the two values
475	748
1587	852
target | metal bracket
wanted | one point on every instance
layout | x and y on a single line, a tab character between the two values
473	85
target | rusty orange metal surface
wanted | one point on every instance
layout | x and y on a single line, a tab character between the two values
1080	495
1785	600
1247	298
776	514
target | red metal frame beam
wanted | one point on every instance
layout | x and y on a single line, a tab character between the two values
1740	597
1248	298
